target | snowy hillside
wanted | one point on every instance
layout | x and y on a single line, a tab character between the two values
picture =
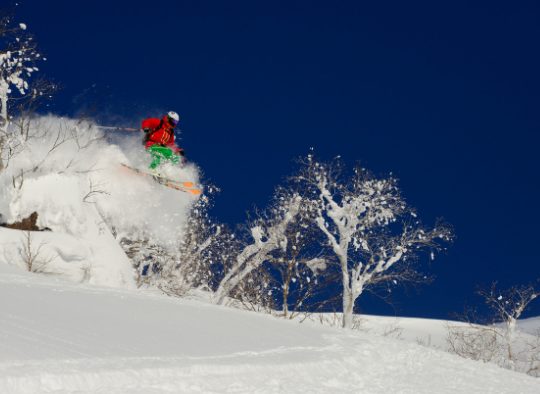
59	337
82	326
530	325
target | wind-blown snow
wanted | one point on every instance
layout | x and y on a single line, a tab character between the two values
57	337
70	173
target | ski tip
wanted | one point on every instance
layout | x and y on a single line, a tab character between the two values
188	184
195	192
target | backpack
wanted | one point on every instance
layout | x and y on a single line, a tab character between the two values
149	132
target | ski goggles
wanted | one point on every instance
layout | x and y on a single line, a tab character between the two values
172	121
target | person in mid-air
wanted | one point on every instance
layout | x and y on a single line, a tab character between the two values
159	139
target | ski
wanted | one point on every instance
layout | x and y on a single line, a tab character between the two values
186	187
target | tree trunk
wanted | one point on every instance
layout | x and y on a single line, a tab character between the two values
231	280
348	308
348	297
3	119
510	334
1	154
286	286
285	299
220	294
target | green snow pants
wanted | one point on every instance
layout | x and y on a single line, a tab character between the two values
159	153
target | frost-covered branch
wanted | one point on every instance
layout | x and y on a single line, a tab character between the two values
32	256
358	218
94	189
510	304
267	234
302	268
500	341
18	60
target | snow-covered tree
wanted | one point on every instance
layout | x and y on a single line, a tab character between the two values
499	340
18	59
266	234
256	292
509	305
368	226
300	267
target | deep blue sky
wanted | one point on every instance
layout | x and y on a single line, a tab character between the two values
446	96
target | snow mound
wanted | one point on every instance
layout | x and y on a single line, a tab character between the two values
70	173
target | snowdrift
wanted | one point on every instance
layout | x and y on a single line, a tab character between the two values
70	173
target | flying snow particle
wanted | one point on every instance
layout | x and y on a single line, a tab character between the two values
22	26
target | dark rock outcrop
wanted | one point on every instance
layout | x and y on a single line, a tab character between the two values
27	224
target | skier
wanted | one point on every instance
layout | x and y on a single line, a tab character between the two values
159	139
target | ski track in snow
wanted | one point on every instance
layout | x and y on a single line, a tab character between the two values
60	337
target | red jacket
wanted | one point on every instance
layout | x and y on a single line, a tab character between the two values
161	132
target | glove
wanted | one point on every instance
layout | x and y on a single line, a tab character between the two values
146	131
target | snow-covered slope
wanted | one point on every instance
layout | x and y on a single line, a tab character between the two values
92	256
427	332
59	337
530	325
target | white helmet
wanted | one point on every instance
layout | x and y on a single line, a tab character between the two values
174	118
